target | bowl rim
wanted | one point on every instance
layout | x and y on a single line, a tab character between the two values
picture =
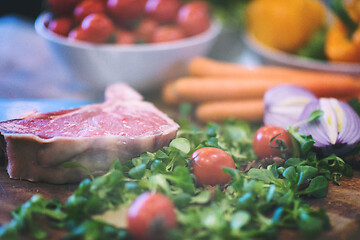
213	31
296	61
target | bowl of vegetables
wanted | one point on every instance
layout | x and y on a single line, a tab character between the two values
142	43
328	39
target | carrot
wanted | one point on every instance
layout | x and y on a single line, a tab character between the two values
205	67
168	94
213	89
247	110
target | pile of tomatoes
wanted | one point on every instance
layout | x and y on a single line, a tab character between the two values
128	21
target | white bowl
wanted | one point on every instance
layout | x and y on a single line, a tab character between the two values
142	66
276	57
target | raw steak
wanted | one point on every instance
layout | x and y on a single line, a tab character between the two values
94	135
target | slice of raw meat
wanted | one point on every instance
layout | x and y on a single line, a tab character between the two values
93	135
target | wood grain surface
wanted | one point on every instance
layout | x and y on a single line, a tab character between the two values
16	192
342	203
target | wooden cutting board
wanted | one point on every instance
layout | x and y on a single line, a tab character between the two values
343	207
342	203
16	192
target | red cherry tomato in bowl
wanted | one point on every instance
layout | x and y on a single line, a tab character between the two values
167	34
60	26
150	216
271	141
146	29
125	10
86	8
62	7
194	17
98	27
124	37
78	34
162	10
208	164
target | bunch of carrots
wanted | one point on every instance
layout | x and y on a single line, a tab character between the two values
224	90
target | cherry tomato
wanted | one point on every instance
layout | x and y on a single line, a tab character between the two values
194	17
87	7
162	10
62	7
60	26
146	29
150	215
271	141
208	164
167	34
125	37
143	4
98	27
125	10
78	34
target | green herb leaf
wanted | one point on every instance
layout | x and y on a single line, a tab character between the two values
182	178
311	226
315	115
290	174
239	219
318	187
201	198
293	162
305	173
181	144
158	167
182	200
355	104
138	171
262	175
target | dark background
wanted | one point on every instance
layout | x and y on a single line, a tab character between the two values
26	8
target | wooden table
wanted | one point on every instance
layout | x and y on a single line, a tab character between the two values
342	203
16	192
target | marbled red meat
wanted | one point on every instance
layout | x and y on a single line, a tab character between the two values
94	135
115	118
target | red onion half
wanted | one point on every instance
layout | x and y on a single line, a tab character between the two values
337	131
284	104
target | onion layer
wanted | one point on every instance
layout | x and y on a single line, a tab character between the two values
337	131
284	104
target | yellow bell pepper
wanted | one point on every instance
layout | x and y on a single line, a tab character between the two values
284	24
339	47
353	7
343	38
